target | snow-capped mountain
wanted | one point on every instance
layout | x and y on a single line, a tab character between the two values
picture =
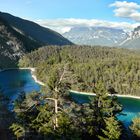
104	36
133	39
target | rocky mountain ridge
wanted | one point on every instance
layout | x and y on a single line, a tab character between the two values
12	44
34	31
103	36
133	39
19	36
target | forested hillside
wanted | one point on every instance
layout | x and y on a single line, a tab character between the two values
13	45
19	36
89	68
35	31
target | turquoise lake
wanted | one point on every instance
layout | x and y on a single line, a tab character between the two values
131	106
13	82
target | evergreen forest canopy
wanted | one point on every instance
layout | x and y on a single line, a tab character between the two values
91	67
53	115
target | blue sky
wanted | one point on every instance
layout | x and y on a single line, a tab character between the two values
49	11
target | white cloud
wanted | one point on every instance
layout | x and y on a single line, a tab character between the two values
64	25
122	9
126	9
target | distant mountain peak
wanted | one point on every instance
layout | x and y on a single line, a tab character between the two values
104	36
133	39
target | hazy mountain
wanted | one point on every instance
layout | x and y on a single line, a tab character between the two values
133	40
96	36
35	31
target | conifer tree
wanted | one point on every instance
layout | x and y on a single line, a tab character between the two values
135	127
112	129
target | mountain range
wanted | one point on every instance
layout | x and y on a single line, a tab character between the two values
19	36
133	40
35	31
104	36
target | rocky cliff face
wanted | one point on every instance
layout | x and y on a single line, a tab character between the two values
19	36
34	31
11	47
133	39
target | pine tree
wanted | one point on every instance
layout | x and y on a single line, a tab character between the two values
19	130
135	127
112	130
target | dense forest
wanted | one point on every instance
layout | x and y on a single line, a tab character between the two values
52	114
93	67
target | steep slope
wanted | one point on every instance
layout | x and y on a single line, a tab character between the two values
13	45
133	40
35	31
96	36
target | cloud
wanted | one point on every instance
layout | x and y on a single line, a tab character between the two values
64	25
124	9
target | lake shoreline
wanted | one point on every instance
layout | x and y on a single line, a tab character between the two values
93	94
35	77
32	73
76	92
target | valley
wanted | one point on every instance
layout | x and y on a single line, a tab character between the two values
82	84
